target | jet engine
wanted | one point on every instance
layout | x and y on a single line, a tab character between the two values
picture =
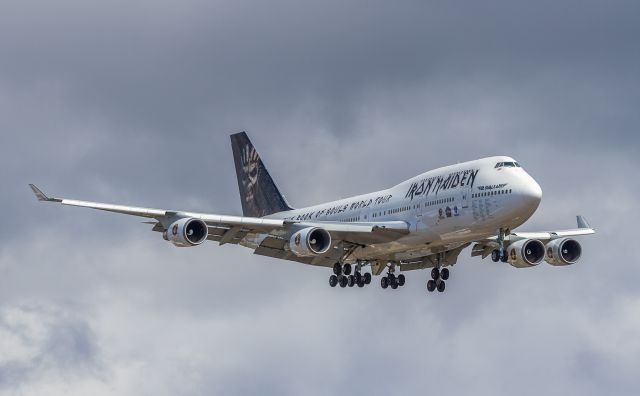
186	232
526	253
564	251
310	242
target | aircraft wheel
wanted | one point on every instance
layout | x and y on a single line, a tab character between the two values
441	286
367	278
394	284
444	273
392	278
431	285
504	257
343	281
346	269
361	283
337	268
384	282
333	281
401	280
495	256
435	274
352	281
358	277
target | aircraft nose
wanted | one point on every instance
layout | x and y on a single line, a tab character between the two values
531	192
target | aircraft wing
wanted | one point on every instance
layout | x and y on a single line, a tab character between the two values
544	236
583	229
484	247
233	229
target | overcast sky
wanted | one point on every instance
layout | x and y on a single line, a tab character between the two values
132	102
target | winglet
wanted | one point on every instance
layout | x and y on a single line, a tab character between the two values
582	223
42	196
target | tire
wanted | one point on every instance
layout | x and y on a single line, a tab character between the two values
384	282
444	273
441	286
352	281
337	269
333	281
431	285
346	269
358	277
367	278
392	278
435	274
343	281
401	280
394	284
495	256
361	283
504	257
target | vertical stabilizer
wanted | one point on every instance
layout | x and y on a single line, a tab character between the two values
259	194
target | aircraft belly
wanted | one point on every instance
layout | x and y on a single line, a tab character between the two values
425	239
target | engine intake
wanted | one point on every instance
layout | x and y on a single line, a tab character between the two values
310	242
526	253
187	232
563	252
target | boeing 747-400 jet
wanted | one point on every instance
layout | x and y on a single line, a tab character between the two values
424	222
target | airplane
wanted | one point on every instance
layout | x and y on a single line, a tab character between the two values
422	223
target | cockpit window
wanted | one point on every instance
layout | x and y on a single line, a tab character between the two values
507	165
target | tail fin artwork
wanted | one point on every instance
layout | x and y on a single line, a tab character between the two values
259	194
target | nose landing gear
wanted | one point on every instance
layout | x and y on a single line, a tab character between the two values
500	254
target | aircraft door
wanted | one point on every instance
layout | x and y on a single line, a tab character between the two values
420	213
465	199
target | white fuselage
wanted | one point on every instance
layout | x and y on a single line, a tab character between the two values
444	208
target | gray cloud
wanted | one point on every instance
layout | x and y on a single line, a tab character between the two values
41	341
133	102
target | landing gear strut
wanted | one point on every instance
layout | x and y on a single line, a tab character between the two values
500	254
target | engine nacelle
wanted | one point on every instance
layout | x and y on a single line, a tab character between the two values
564	251
310	242
526	253
186	232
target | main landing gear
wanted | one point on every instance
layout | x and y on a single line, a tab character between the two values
391	280
342	276
438	276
